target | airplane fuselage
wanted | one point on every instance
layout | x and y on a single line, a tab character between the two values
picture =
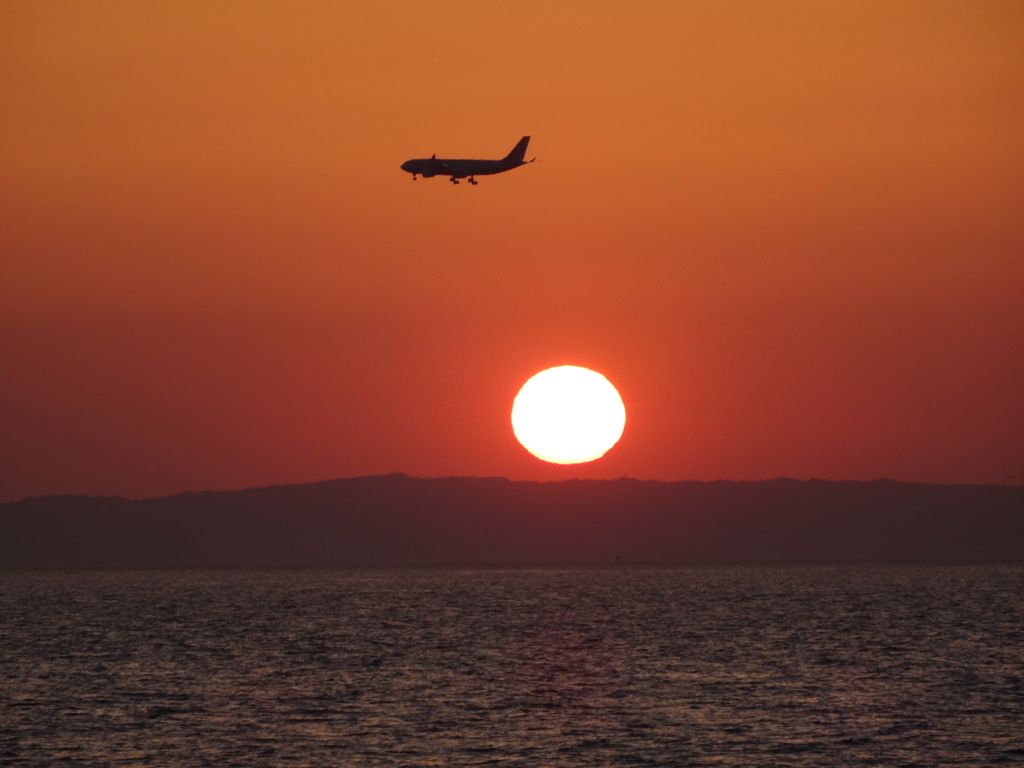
457	169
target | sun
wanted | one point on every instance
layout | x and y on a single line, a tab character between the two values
568	415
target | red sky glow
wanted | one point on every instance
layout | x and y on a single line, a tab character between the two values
790	234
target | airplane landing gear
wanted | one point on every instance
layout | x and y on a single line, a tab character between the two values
453	180
472	181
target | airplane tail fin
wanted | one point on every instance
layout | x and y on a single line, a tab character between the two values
515	157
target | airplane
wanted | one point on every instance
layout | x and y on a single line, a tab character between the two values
460	169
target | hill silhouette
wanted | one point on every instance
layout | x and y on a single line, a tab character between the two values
396	520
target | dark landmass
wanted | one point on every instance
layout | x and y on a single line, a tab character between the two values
397	520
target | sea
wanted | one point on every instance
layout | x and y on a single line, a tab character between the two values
866	665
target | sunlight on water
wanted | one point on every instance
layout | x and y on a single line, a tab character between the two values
602	667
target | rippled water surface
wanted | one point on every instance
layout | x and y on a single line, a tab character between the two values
843	666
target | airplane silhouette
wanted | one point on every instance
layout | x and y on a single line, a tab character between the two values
460	169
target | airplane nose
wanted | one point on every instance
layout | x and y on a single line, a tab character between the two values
405	166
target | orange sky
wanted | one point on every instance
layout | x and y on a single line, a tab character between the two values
791	233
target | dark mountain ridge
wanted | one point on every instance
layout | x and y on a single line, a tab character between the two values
396	520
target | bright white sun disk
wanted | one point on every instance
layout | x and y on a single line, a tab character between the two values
568	415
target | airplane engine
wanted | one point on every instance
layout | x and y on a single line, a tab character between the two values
427	173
